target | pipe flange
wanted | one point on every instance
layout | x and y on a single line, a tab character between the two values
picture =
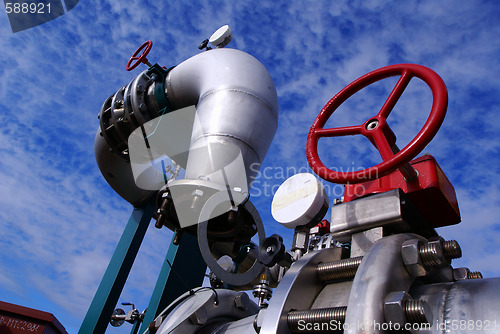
205	215
381	272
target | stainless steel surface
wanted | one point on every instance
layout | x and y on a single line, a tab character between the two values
465	307
366	213
205	308
333	295
381	271
237	112
362	242
297	290
118	173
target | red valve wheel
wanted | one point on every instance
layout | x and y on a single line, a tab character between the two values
140	59
376	128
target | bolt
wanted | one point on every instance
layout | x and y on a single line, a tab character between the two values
452	249
460	274
400	308
241	301
417	312
270	249
394	307
474	275
342	269
432	254
199	317
118	104
322	315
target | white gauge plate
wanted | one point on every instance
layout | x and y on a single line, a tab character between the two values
298	200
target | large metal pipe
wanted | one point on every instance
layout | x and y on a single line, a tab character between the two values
235	122
236	116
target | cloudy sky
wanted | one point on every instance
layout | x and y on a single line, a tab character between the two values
60	221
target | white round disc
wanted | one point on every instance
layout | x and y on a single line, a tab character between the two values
298	200
220	35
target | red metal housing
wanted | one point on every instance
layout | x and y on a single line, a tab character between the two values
432	193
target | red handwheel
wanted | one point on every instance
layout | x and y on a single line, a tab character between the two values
140	59
376	128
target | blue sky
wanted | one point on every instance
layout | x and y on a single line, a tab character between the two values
60	221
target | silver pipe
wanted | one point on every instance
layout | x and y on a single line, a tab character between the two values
236	116
236	119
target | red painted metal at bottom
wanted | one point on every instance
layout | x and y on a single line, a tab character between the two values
18	319
432	193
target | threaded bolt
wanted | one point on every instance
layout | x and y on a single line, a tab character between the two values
452	250
416	311
342	269
436	253
321	315
474	275
429	254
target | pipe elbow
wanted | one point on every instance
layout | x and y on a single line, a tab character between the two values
236	112
220	70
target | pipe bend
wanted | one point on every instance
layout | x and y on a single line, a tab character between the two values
220	69
236	112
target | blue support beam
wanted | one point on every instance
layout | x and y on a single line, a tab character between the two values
183	269
99	313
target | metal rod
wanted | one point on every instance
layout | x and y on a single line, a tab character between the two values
320	316
452	249
336	270
409	173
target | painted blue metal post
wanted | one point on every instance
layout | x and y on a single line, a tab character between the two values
99	313
183	269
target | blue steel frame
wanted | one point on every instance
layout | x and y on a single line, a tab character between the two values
186	272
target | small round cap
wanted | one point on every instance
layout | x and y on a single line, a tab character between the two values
219	37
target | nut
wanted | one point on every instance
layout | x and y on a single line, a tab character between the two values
199	317
460	274
241	301
394	307
411	258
